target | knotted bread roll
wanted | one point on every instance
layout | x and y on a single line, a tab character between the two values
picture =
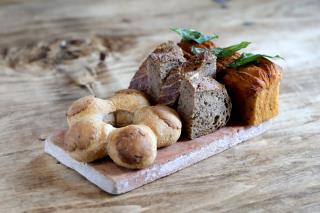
90	107
127	101
164	122
133	146
86	140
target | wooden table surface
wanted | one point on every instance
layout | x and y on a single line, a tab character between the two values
278	171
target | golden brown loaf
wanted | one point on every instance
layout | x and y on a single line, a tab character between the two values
86	140
254	90
90	107
127	101
133	146
164	122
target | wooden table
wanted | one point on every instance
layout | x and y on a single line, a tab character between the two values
278	171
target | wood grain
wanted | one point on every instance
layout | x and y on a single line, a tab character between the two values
276	172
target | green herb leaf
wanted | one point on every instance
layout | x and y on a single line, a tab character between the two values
223	52
227	51
246	58
193	35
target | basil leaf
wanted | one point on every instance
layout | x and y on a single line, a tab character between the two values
227	51
193	35
223	52
246	58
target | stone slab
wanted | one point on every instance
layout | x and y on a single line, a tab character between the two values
117	180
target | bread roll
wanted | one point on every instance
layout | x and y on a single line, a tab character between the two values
163	120
133	146
86	140
127	101
90	107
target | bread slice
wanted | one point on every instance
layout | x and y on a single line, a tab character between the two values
254	90
166	57
204	106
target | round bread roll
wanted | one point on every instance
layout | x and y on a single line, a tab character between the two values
86	140
89	107
133	146
164	122
127	101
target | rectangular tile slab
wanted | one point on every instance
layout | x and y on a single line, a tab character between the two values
116	180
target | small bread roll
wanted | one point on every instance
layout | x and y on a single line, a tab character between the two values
89	107
127	101
133	146
163	120
86	140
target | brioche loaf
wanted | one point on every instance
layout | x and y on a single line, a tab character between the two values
127	101
254	90
133	146
204	106
164	122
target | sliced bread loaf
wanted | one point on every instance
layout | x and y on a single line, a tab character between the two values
204	106
198	66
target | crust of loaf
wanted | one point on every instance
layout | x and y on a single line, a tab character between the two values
254	90
164	122
140	79
133	146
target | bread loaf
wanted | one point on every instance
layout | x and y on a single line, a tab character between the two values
204	106
164	122
127	101
133	146
254	90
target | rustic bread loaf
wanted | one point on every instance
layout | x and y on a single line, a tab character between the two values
127	101
204	106
163	120
166	57
254	90
198	66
